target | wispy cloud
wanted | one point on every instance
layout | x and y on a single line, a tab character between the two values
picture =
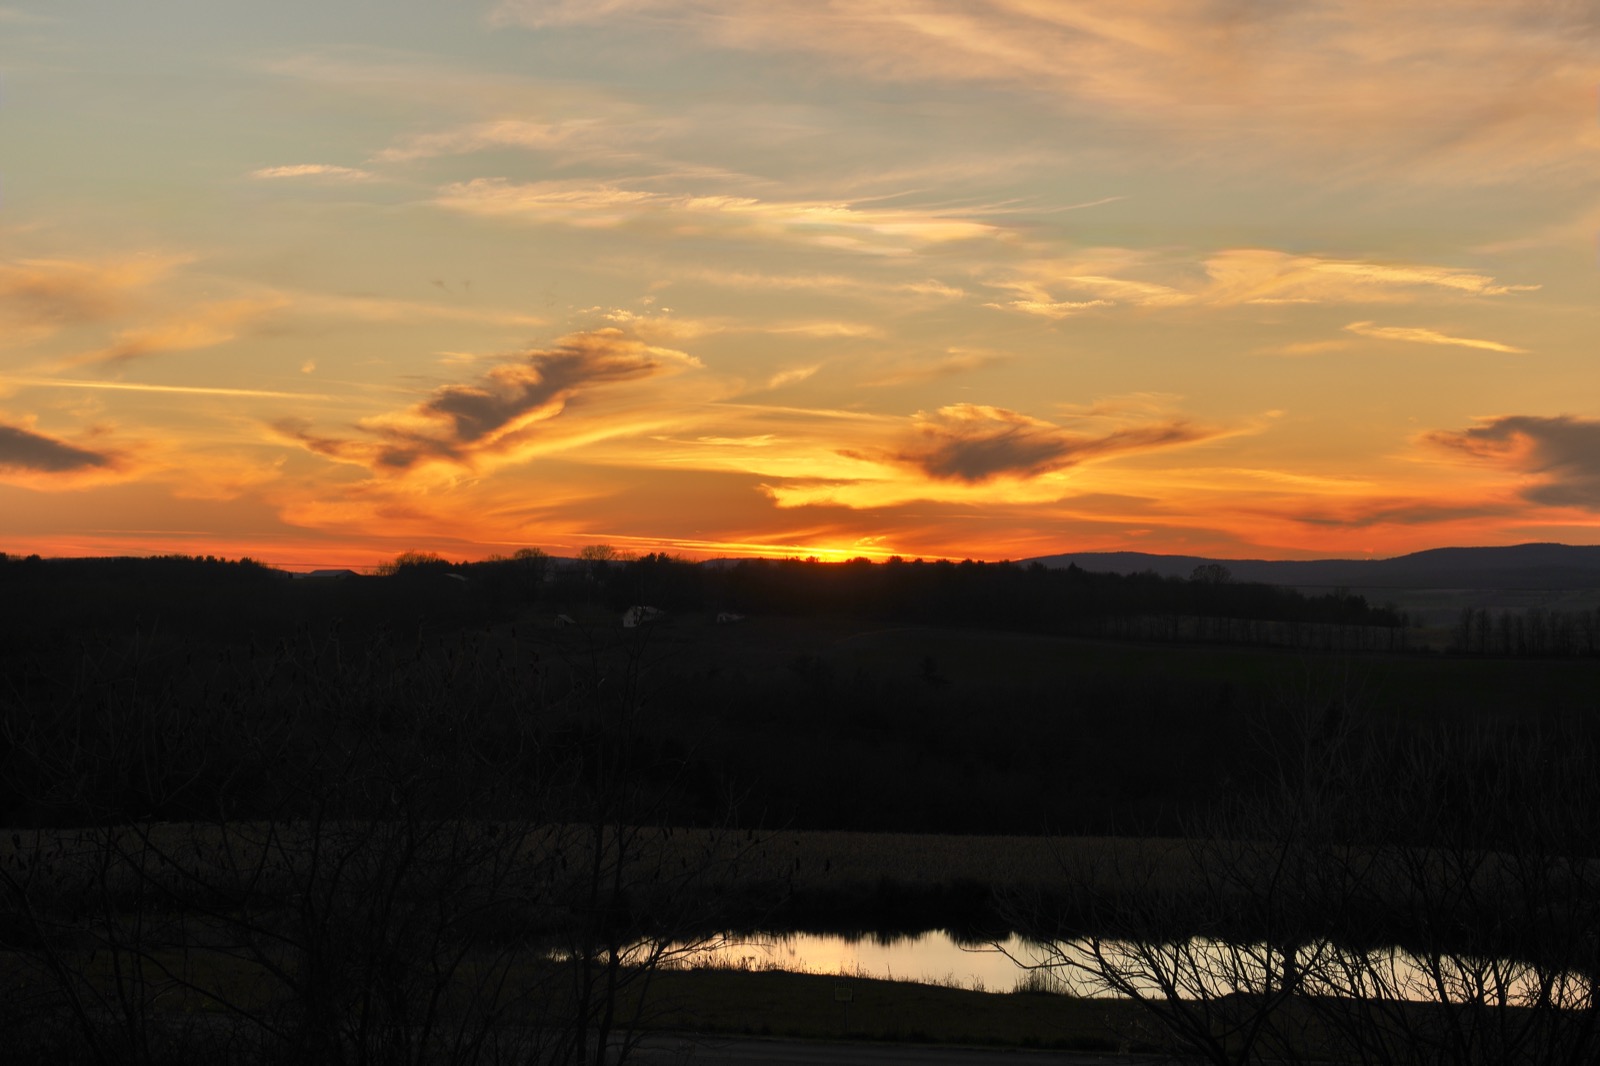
1235	277
956	361
324	171
1419	335
380	309
1305	348
1453	91
835	284
480	136
669	328
134	386
1394	511
1266	276
1056	309
828	224
40	296
792	376
203	326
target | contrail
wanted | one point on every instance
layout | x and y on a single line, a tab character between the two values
133	386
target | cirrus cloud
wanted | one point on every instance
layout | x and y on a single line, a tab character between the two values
1447	91
816	222
203	326
1233	277
495	133
1420	335
40	296
326	171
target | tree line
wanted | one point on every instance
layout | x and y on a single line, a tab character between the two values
1537	632
1209	606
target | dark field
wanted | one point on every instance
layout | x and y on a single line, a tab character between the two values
412	818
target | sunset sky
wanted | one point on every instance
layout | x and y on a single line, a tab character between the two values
321	282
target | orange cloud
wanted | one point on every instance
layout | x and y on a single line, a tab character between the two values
838	284
973	443
325	171
182	390
1235	277
1418	335
204	326
496	133
40	296
1451	91
829	224
956	361
376	309
502	411
1561	452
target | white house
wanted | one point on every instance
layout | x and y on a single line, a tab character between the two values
634	617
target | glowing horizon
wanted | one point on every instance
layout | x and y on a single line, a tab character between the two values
957	279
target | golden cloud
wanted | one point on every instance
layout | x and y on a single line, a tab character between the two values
1450	91
40	296
478	136
1238	277
955	361
840	284
326	171
829	224
1419	335
204	326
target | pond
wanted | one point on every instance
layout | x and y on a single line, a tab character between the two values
1198	967
928	958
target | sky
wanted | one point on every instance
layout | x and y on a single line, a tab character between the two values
320	283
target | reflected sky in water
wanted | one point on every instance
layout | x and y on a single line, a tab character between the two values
928	958
1198	967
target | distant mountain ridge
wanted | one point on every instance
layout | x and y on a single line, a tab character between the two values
1521	566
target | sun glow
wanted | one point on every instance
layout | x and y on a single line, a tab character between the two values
795	281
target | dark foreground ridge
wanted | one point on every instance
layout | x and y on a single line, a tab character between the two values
459	812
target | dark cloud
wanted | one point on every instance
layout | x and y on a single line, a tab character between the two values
458	422
23	449
973	443
299	431
1563	451
1396	512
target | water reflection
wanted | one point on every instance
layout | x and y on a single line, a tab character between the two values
934	958
1198	968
